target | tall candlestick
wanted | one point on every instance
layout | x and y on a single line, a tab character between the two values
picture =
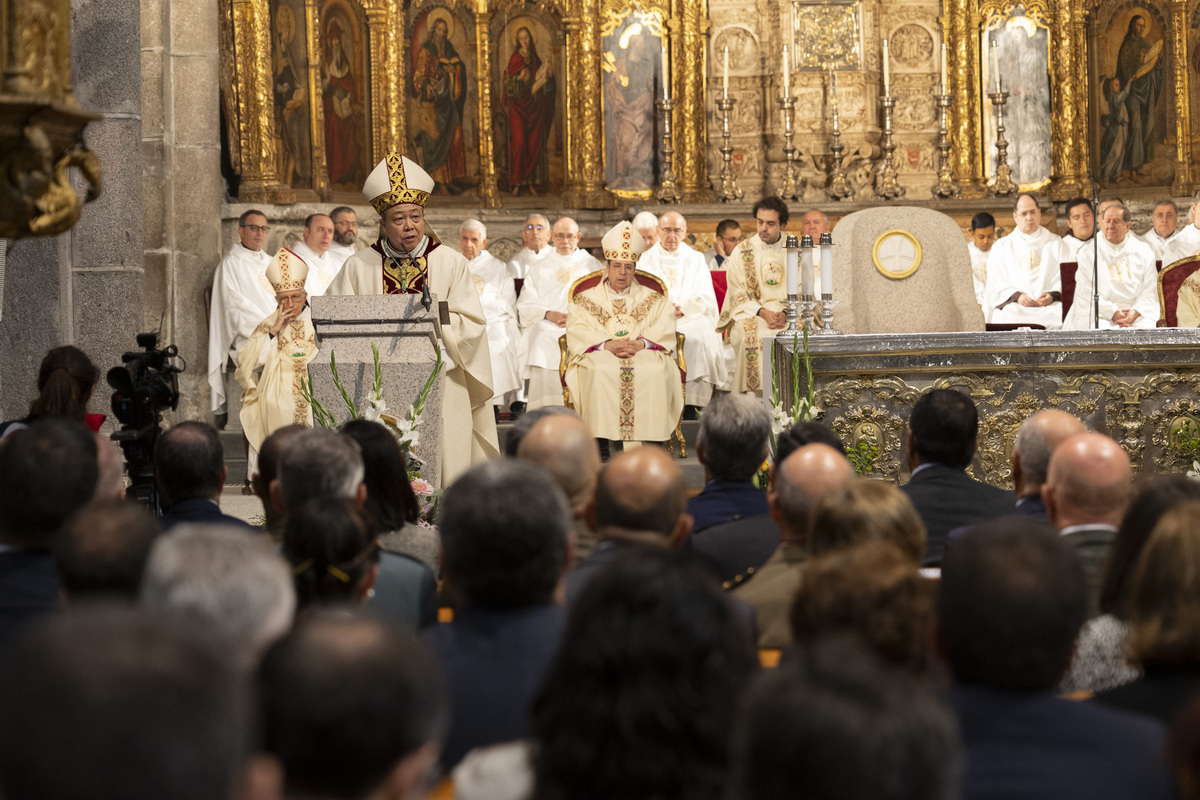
833	85
826	264
725	76
887	75
666	71
945	83
995	64
787	86
793	270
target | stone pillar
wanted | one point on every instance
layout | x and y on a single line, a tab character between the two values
182	182
84	286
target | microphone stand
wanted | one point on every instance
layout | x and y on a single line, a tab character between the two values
1096	256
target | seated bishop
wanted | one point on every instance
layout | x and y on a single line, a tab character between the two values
621	348
542	308
498	296
1128	280
689	285
275	358
409	258
1024	285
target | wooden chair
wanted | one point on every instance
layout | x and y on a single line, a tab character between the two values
1170	279
650	282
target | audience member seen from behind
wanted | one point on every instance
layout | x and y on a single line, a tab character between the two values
505	528
1011	600
732	446
861	511
334	556
836	724
112	704
1164	620
642	695
800	434
46	474
66	380
101	552
219	581
1100	660
872	593
563	445
351	708
942	432
391	502
190	471
525	423
1036	440
268	471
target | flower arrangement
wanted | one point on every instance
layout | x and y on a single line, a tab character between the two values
802	407
404	428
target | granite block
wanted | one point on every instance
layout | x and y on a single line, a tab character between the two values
193	89
106	40
109	232
152	93
32	322
193	29
107	315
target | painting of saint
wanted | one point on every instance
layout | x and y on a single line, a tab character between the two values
632	62
1140	73
528	96
343	103
439	86
292	112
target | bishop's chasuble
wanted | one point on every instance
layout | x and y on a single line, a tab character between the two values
467	393
756	280
636	399
270	370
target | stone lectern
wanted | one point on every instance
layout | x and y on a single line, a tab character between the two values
405	334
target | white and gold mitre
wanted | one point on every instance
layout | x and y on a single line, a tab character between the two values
623	243
287	271
397	180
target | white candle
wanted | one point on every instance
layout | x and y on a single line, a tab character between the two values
995	64
793	270
833	85
666	72
806	268
887	75
945	83
826	268
725	76
787	83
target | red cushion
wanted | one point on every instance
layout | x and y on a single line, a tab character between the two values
1067	270
720	285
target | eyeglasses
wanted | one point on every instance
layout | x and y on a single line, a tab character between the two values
564	236
258	228
672	230
532	227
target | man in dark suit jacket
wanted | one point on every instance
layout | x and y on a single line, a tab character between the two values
1037	438
505	546
732	445
1087	490
47	472
1011	602
189	468
941	443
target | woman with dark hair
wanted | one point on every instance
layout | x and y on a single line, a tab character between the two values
65	383
391	505
332	551
1099	661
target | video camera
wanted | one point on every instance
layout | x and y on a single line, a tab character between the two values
145	387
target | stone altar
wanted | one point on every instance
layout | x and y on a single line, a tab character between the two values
1136	386
406	335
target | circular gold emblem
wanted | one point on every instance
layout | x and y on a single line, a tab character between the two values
896	254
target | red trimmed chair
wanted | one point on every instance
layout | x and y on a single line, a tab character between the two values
1170	279
1066	271
720	282
650	282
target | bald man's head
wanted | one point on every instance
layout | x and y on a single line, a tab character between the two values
642	491
1089	482
814	223
672	227
1036	440
804	476
564	446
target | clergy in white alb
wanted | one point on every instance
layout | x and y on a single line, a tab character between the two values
1081	227
753	307
241	299
345	237
621	344
1024	285
313	247
407	258
498	296
275	359
983	237
542	308
1166	220
690	289
535	245
1128	280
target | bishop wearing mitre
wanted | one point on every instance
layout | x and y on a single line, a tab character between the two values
275	358
621	344
409	258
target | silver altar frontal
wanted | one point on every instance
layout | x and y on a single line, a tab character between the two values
1138	386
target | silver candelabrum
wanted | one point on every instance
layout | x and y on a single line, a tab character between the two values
789	190
1004	183
729	190
839	185
667	192
887	187
945	186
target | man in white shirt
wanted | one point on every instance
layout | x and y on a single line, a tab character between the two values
983	236
1128	281
345	236
498	296
535	238
542	309
690	288
814	223
1024	286
729	233
314	249
646	224
1166	219
1187	241
241	298
1082	226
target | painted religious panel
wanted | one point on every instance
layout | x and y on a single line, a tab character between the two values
345	94
1020	58
631	57
527	120
1132	96
290	89
442	112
